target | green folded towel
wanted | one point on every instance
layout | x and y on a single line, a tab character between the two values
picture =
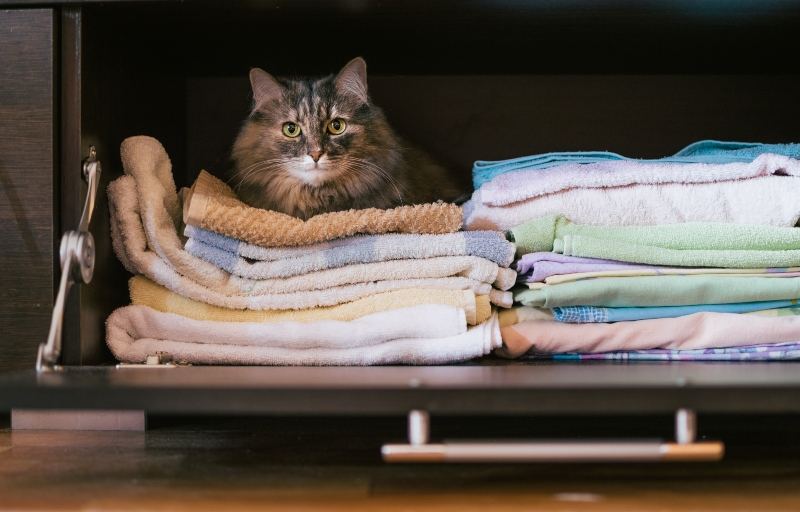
691	244
661	291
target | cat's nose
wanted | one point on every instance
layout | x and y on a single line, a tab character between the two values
315	154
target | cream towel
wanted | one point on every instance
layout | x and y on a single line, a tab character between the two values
143	208
147	293
769	200
212	205
436	336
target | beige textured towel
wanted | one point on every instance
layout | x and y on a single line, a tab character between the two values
144	217
147	293
437	336
212	205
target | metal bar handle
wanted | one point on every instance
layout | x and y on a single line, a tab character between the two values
77	256
686	449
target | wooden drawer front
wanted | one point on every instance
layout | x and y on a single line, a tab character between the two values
26	181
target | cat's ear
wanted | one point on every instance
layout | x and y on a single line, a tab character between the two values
265	87
352	79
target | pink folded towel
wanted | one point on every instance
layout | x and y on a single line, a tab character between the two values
700	330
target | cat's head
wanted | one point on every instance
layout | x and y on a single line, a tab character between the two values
313	134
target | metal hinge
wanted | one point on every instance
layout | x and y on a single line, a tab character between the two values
77	265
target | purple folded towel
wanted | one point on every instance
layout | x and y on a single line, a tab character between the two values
537	266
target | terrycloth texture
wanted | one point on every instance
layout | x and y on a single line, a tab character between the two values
521	185
767	352
698	331
147	293
770	201
704	151
595	314
689	244
144	211
212	205
491	245
316	268
661	291
436	336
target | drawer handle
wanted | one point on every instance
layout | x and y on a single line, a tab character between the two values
685	449
76	253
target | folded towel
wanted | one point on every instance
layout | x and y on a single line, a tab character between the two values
491	245
554	268
681	271
212	205
519	314
147	293
313	265
704	151
436	336
144	211
771	200
521	185
698	331
689	244
596	314
766	352
661	291
538	266
586	246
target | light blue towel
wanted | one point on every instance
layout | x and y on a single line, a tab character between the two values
704	151
596	314
254	262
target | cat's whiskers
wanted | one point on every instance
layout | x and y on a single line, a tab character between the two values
256	168
362	164
383	173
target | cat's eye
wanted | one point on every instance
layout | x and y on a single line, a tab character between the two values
337	126
291	129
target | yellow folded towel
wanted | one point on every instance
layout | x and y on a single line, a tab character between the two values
147	293
212	205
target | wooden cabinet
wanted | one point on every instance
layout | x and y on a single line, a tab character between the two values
28	200
467	81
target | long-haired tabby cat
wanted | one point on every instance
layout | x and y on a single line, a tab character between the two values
314	146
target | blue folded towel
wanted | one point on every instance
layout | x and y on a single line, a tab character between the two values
704	151
595	314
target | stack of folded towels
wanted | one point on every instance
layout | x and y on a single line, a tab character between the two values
251	286
694	256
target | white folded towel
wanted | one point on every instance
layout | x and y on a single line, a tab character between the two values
771	200
437	335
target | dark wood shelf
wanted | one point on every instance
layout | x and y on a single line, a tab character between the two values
501	388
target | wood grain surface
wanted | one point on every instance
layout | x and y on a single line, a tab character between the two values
26	183
333	464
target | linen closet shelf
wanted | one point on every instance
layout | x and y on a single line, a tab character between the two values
468	81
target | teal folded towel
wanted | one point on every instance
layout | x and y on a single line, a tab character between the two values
661	291
704	151
692	244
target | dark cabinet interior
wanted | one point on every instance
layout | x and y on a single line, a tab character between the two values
481	80
464	80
